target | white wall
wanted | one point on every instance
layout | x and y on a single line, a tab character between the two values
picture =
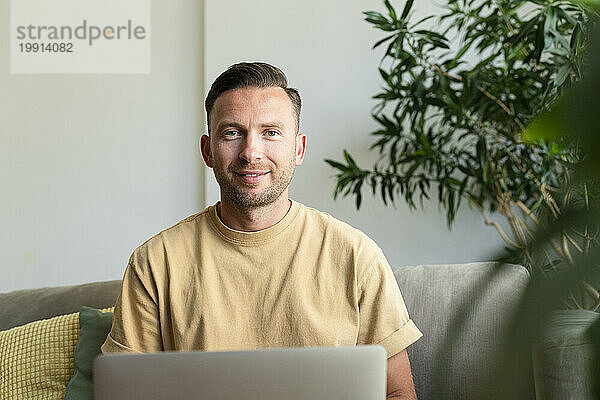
325	49
93	165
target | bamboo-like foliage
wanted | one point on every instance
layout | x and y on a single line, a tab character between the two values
455	117
575	116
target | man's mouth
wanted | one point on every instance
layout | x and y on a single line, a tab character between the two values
252	177
252	173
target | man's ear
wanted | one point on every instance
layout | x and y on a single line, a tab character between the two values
300	147
204	145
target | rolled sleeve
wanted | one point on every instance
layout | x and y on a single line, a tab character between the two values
401	338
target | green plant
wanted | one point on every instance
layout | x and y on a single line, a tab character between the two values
574	116
453	121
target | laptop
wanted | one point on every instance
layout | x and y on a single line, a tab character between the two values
308	373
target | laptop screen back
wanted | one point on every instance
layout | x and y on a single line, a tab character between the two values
315	373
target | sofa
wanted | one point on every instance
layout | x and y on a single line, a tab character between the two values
433	294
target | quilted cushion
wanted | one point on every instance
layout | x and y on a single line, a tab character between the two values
36	359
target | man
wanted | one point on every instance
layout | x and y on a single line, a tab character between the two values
258	269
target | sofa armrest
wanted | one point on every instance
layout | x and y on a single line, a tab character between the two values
563	359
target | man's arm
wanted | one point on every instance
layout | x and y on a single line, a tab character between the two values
136	323
400	383
384	320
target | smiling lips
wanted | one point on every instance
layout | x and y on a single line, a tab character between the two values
252	176
252	173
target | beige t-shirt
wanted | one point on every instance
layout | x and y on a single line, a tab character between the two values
309	280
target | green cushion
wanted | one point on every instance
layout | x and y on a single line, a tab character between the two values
94	326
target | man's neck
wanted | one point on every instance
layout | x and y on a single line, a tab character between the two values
253	219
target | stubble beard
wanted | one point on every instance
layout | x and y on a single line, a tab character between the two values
242	195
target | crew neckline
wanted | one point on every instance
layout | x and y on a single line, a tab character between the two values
257	237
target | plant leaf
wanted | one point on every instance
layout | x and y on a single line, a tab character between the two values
407	8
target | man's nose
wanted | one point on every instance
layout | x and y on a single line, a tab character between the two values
251	148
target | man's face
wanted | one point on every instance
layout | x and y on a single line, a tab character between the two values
253	147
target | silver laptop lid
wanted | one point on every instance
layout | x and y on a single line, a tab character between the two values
309	373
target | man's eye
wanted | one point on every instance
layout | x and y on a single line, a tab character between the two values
272	133
231	133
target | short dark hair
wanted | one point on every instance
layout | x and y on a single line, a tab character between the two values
254	74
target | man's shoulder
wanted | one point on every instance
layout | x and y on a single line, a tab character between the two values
332	226
179	234
344	240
